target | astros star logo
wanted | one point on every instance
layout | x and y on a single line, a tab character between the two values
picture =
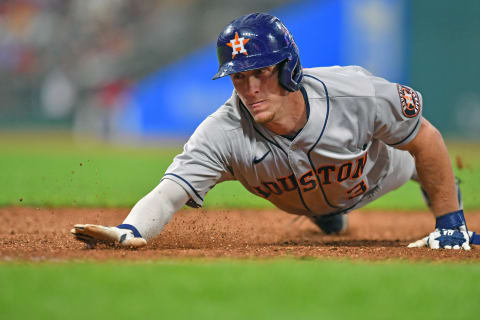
408	98
237	45
409	101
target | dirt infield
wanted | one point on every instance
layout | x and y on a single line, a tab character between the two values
43	234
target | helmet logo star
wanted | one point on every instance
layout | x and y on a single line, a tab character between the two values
237	45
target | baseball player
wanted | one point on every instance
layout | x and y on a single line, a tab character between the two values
318	142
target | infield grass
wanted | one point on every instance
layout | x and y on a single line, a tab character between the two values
268	289
55	171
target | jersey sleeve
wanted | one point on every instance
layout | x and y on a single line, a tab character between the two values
398	112
203	163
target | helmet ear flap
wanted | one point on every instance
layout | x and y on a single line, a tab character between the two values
291	74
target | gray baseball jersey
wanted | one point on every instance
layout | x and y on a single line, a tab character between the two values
340	157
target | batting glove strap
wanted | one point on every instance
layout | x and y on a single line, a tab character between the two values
136	234
474	237
451	220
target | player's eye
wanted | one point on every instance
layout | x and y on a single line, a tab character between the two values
237	76
261	72
267	71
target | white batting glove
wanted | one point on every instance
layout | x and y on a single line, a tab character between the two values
91	234
429	241
450	233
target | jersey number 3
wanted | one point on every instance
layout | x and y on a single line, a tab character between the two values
359	189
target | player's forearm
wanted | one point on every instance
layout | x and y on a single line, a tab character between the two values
434	169
438	181
154	211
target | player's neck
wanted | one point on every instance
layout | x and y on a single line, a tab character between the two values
292	116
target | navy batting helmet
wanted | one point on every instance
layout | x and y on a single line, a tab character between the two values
255	41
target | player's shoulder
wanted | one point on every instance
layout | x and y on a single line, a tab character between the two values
227	117
226	128
341	81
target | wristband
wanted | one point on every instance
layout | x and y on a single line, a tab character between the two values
450	220
475	238
136	234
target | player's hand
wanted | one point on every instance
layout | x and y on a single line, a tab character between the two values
450	233
445	239
425	242
91	234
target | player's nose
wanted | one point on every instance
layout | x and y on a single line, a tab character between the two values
253	86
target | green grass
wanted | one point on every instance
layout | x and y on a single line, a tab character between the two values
279	289
47	170
44	170
55	174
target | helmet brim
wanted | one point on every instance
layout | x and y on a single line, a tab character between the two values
250	63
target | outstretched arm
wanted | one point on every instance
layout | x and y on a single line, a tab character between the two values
155	210
145	221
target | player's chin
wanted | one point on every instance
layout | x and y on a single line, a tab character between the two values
263	117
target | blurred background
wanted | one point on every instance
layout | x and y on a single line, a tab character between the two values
126	70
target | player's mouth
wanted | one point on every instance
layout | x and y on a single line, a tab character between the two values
257	104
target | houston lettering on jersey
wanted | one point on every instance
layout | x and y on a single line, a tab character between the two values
327	174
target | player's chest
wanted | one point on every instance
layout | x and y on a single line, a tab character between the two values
328	151
280	168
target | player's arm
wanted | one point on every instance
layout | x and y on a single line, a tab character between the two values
202	164
154	211
145	221
434	168
436	176
399	123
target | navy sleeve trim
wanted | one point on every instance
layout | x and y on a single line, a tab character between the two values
191	203
188	183
408	136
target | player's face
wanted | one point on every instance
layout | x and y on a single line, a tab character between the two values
260	92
